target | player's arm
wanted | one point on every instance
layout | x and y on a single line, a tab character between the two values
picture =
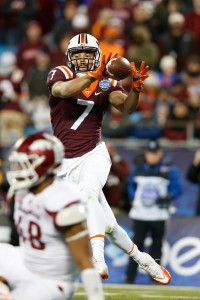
77	239
127	104
71	222
66	89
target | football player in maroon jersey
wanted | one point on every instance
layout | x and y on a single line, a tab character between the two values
79	95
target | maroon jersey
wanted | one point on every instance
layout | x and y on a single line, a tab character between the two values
77	120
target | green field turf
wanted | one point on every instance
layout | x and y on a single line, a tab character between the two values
145	292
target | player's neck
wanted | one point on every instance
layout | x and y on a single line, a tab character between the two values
43	185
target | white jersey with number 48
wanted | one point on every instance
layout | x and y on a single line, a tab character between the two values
44	249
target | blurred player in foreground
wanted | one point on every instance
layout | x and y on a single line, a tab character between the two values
50	217
80	94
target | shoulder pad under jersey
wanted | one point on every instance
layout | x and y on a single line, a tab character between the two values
73	214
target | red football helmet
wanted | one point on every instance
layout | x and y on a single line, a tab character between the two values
33	158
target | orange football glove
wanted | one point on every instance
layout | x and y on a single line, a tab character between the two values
101	72
139	76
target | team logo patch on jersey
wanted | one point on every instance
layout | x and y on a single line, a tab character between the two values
105	84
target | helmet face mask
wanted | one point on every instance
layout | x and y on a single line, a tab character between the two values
83	43
22	173
33	159
83	61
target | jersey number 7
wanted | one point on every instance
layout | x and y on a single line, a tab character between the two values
89	105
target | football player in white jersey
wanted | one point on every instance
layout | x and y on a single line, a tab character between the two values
50	216
79	95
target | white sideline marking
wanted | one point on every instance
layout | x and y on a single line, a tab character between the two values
148	296
138	287
106	294
168	297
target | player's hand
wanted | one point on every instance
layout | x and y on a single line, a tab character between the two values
139	76
101	72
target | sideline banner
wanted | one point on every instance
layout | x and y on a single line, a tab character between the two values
181	253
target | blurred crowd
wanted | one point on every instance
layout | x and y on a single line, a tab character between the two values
164	33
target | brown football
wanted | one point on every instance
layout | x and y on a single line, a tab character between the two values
119	68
